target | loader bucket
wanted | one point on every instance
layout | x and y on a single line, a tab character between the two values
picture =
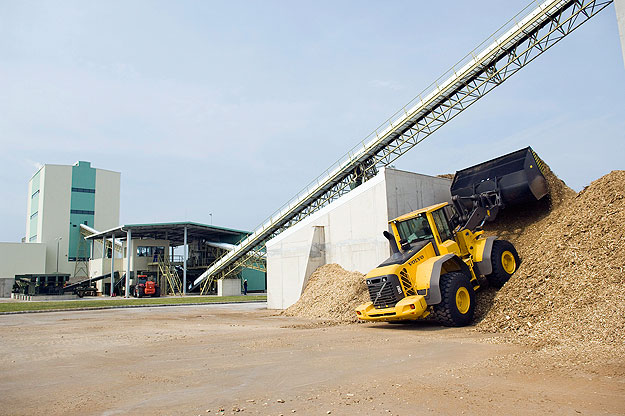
517	177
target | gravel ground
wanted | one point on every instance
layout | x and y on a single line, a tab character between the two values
244	359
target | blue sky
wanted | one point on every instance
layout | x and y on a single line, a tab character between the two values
231	107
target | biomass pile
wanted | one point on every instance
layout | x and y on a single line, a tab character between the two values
331	294
569	290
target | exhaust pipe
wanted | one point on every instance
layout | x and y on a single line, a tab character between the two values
391	240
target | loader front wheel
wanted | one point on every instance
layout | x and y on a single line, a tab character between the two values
505	261
458	300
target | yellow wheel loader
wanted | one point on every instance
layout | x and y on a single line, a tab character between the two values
439	252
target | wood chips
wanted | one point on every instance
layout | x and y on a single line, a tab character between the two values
569	290
332	294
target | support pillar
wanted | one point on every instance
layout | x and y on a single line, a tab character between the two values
184	264
128	260
112	261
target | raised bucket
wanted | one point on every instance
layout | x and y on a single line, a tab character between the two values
518	177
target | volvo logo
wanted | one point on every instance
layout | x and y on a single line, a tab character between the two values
415	260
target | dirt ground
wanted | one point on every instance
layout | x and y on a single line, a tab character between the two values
226	359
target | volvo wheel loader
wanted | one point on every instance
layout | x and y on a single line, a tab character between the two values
439	252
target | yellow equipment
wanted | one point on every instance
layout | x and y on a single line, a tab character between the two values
439	252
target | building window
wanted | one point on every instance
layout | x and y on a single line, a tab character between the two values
78	259
35	194
149	251
34	215
84	190
82	211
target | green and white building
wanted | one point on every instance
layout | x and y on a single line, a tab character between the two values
60	198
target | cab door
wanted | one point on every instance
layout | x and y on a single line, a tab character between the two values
443	233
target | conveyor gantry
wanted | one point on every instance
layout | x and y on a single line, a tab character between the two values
530	33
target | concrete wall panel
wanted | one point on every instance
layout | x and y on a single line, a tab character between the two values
288	271
229	287
6	287
107	199
22	258
407	191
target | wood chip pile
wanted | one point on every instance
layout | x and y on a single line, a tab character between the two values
569	291
570	288
331	294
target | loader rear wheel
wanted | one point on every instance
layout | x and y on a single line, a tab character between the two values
505	261
458	300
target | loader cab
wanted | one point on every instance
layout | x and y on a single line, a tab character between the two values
413	230
432	224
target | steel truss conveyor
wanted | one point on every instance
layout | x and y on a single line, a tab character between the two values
517	43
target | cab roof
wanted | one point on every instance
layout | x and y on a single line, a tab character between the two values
419	211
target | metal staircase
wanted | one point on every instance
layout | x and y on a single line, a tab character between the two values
173	280
523	38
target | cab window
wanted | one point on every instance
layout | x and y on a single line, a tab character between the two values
442	225
414	229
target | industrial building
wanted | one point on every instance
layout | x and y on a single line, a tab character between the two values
152	248
67	207
60	198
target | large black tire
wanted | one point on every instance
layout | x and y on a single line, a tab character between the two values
157	293
505	261
140	293
458	300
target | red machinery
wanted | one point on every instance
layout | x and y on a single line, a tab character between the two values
146	287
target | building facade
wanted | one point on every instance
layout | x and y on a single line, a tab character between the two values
60	198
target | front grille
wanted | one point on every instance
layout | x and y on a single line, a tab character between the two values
384	291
